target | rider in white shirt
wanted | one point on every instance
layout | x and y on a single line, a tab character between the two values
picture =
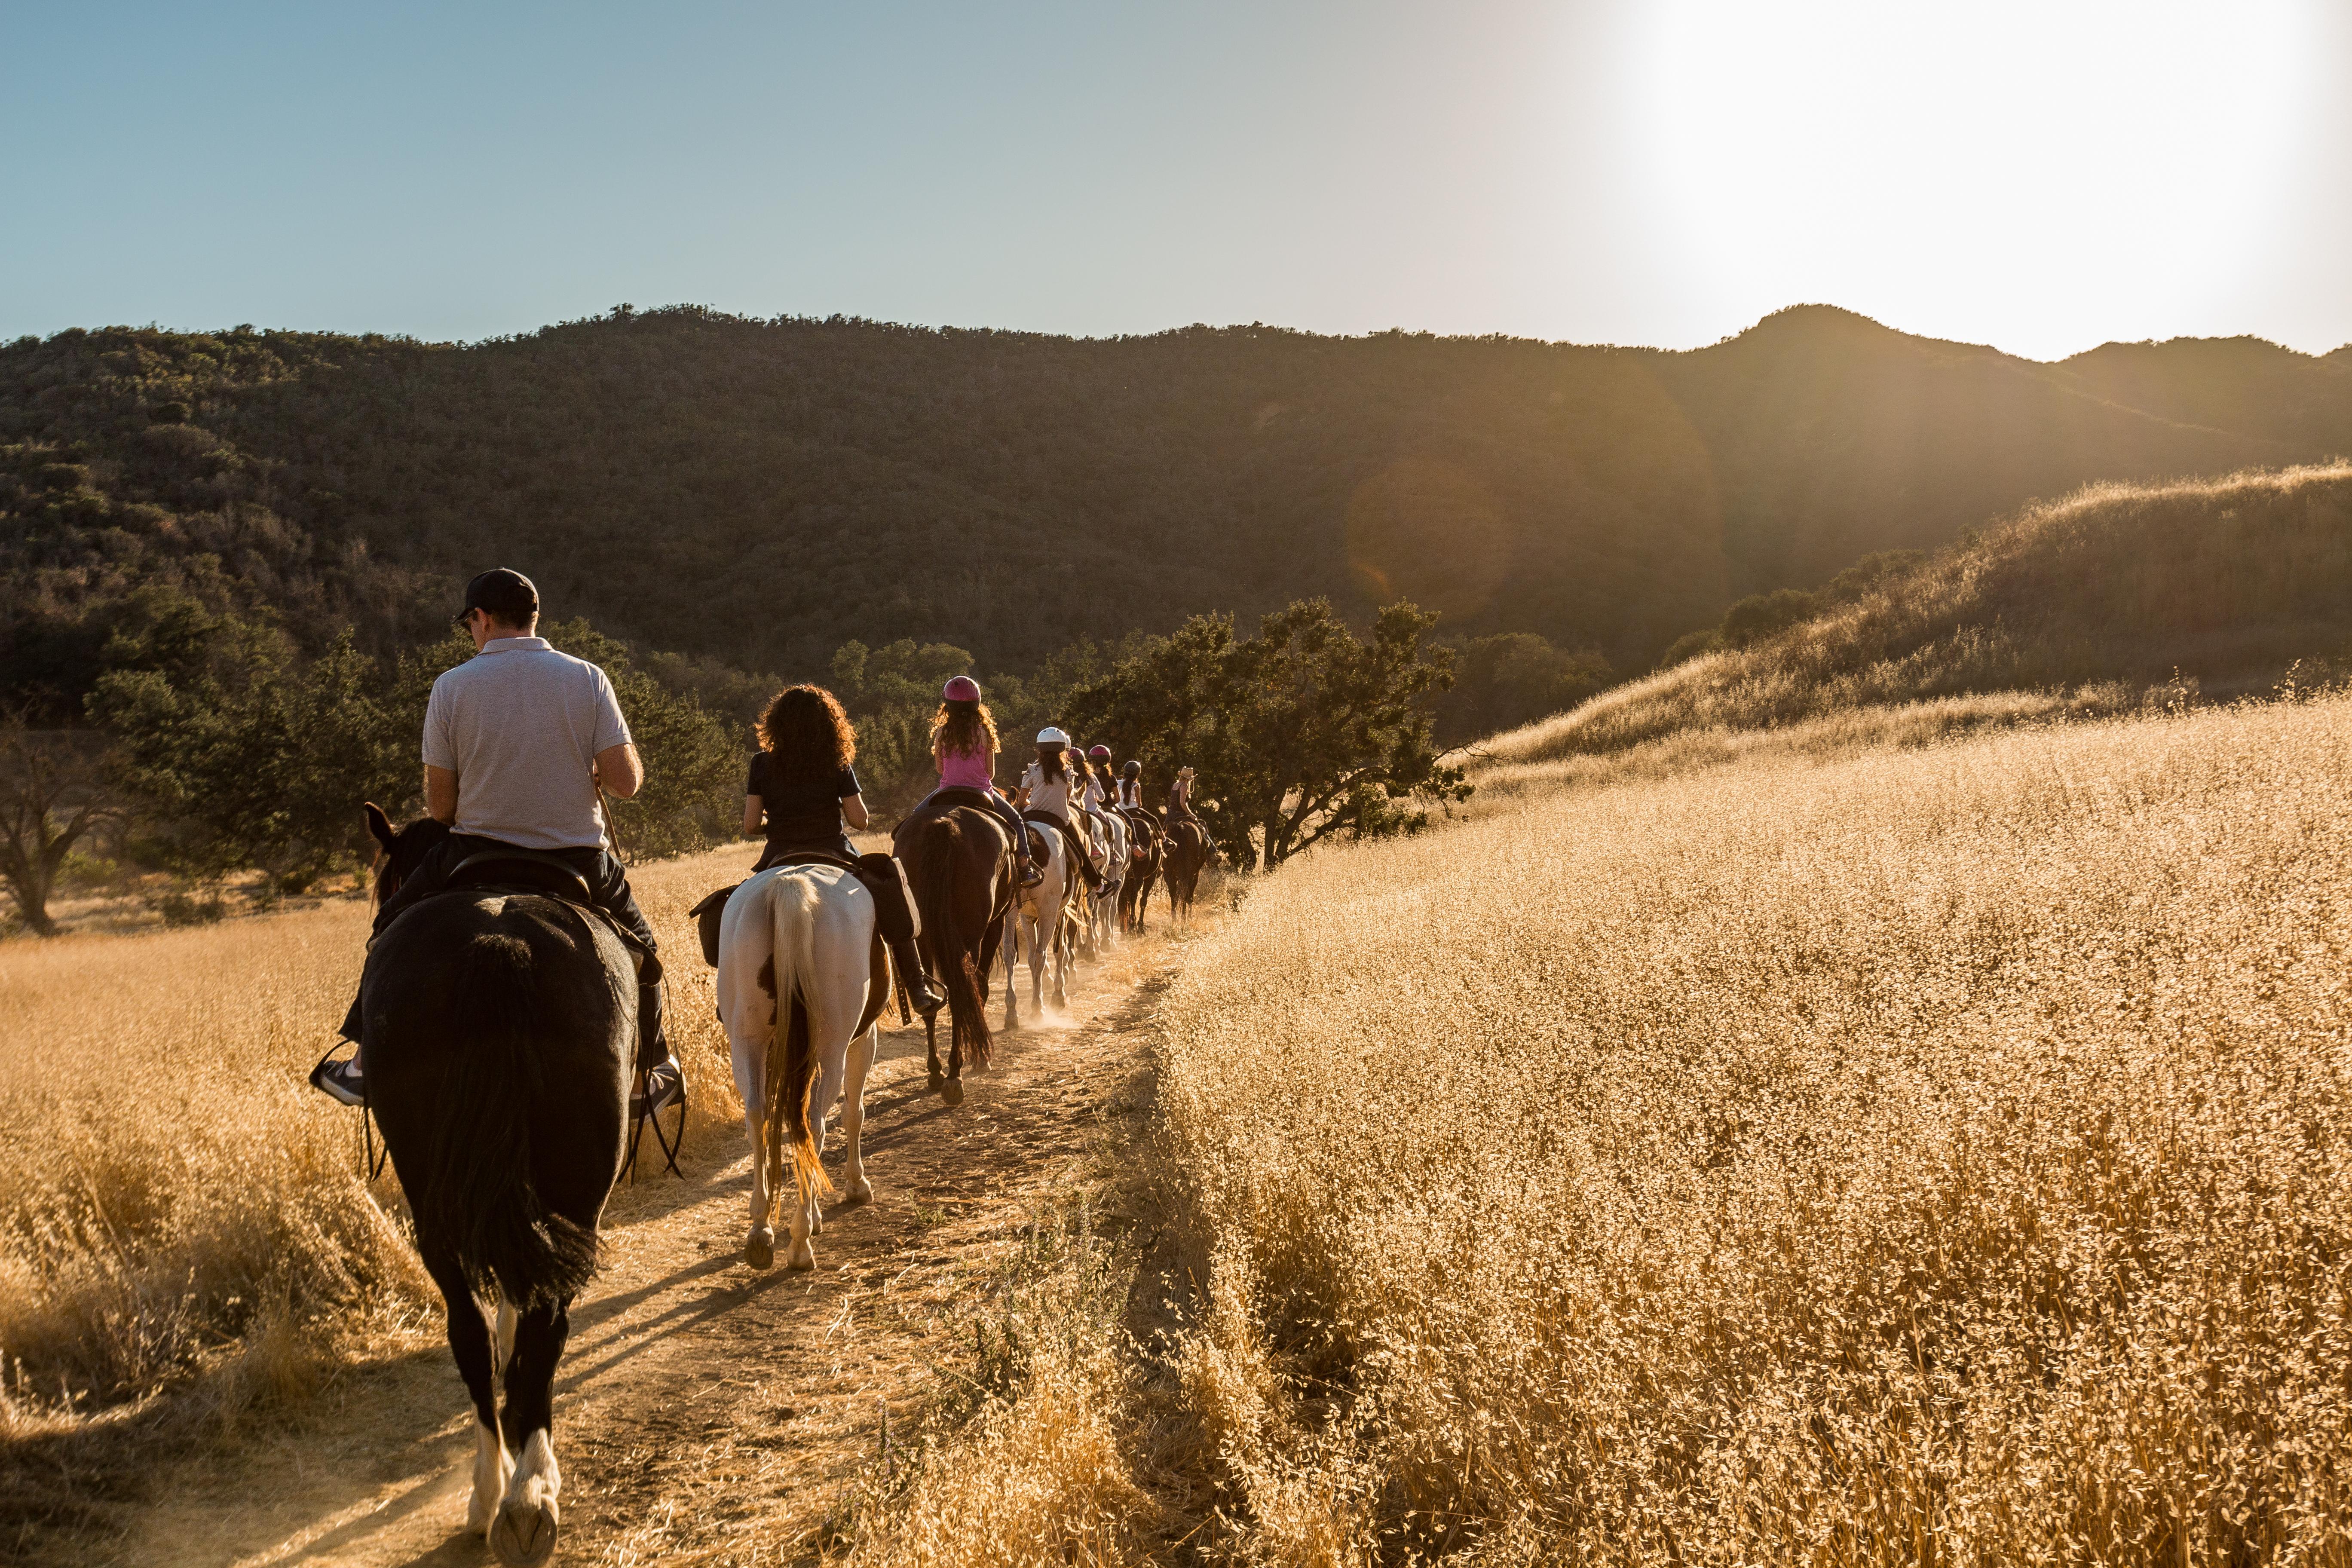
1045	795
518	740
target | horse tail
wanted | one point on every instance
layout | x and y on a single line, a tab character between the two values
933	875
479	1196
792	1052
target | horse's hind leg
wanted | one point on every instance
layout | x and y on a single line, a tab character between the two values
857	1189
524	1529
1012	972
470	1343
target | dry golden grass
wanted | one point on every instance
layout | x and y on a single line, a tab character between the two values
1936	1155
176	1205
1037	1466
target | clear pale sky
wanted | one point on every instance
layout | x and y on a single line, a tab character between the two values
2039	174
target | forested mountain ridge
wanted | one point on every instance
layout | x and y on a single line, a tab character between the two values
760	493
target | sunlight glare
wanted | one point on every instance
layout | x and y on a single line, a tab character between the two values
2038	174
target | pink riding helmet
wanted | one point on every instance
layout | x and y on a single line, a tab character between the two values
1098	754
962	688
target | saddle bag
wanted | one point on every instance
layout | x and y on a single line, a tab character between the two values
707	916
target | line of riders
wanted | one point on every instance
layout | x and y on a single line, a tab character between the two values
498	1051
521	742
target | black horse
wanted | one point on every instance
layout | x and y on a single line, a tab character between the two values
498	1034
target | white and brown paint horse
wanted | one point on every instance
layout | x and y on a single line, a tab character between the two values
1037	924
803	978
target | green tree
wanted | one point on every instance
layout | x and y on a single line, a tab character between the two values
258	761
1298	733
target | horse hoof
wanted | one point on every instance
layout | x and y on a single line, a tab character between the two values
759	1252
858	1193
952	1090
524	1534
801	1255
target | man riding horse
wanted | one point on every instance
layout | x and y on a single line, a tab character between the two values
518	741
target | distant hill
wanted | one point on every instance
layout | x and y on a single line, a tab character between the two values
758	492
2223	584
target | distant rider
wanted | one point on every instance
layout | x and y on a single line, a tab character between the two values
517	741
1180	797
802	787
1097	799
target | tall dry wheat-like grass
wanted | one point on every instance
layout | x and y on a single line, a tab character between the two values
1934	1156
173	1198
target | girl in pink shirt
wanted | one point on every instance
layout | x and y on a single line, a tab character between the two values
963	744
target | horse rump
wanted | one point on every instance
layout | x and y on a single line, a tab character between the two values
478	1201
941	861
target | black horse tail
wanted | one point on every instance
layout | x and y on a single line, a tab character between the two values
479	1195
933	878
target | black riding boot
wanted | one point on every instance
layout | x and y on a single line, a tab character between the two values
922	991
663	1082
894	920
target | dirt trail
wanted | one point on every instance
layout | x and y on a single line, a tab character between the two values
706	1413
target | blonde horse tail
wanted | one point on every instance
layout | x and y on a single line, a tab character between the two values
792	1054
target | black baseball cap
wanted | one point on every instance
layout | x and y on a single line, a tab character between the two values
507	595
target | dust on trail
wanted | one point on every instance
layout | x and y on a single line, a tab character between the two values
706	1413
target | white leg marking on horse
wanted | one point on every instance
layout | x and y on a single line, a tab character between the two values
858	1189
491	1469
524	1530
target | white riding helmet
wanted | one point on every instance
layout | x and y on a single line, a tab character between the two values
1049	736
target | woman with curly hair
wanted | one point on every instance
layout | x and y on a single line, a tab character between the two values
802	788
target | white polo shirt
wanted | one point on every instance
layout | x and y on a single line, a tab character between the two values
521	725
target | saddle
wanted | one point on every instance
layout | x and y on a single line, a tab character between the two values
512	868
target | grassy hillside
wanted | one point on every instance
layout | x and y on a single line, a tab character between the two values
2087	601
759	492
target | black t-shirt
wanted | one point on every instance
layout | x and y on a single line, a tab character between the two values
805	815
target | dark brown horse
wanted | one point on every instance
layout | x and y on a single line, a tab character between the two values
1190	851
959	862
1147	846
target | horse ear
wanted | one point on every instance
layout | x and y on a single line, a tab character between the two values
380	826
